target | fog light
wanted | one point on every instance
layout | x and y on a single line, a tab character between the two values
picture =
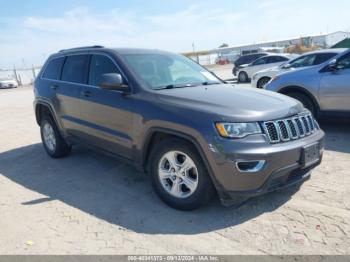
250	165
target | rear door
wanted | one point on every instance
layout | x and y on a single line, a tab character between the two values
273	61
73	76
106	113
256	66
334	92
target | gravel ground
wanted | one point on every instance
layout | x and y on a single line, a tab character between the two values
90	204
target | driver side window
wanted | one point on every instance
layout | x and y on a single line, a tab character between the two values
99	66
344	62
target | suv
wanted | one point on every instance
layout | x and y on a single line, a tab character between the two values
323	89
192	133
245	59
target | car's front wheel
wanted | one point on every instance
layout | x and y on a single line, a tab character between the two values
179	176
242	77
53	142
262	82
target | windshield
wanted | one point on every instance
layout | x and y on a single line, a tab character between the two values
311	59
161	71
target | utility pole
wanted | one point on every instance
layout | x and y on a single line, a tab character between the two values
194	52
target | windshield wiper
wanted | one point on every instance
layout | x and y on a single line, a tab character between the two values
206	83
173	86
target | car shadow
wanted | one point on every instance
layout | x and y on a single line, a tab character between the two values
337	134
117	193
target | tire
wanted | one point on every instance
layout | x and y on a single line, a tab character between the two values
305	100
179	152
242	77
262	82
54	143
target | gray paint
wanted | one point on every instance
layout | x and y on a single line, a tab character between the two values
122	123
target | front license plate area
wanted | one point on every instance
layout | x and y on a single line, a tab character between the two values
310	155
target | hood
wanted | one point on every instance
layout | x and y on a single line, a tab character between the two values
232	103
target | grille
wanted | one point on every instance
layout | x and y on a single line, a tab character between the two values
292	128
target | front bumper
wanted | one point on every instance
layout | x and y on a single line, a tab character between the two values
283	165
8	86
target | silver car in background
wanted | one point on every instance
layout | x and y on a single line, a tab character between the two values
323	89
8	83
261	78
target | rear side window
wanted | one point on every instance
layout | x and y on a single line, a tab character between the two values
321	58
54	68
75	69
99	66
261	61
277	59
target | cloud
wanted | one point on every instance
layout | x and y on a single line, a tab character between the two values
174	31
32	38
84	20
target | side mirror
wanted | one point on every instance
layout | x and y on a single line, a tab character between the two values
286	66
113	81
334	66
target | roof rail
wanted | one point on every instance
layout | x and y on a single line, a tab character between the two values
81	48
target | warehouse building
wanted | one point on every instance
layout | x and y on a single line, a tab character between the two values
322	41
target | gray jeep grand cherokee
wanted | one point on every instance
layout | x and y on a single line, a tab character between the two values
190	131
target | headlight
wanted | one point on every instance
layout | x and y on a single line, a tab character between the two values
237	130
274	78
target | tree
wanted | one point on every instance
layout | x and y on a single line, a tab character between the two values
223	45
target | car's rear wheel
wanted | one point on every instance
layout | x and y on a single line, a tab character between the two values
179	176
53	142
305	100
262	82
242	77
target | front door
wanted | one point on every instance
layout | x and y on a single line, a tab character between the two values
106	113
334	92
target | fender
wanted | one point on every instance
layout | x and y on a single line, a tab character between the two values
300	89
189	138
48	105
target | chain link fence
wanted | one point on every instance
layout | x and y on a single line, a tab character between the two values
22	76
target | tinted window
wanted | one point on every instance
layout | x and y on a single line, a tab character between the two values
99	66
53	69
277	59
260	61
321	58
74	69
246	59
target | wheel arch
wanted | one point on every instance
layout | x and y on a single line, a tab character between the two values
161	133
156	134
41	108
261	78
298	89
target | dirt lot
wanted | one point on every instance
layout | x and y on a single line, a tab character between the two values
88	203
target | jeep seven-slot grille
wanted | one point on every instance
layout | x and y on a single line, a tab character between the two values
292	128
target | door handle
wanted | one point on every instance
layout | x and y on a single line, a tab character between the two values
54	87
86	93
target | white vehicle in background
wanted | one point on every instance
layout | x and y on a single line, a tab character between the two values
8	83
261	78
248	70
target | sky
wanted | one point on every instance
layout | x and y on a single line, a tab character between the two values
31	30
